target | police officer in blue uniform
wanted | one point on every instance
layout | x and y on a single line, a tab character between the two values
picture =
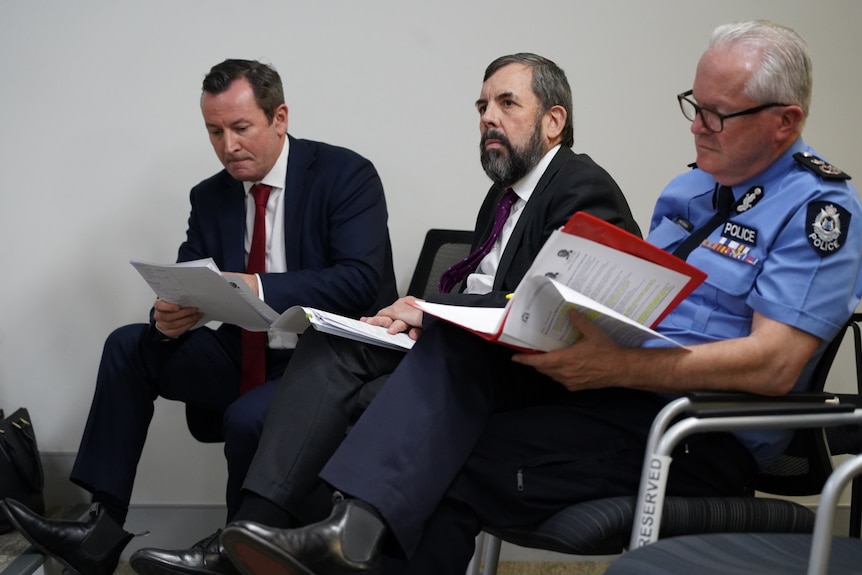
466	434
798	211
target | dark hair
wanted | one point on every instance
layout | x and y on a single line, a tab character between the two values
549	85
265	82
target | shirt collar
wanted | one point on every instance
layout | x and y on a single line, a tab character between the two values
277	175
525	186
783	164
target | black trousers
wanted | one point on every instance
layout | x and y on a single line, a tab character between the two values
460	437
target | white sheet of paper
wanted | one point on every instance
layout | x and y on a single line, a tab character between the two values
201	285
297	318
543	319
482	319
634	287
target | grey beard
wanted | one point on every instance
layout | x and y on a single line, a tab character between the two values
506	168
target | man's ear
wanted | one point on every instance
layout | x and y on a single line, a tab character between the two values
555	121
791	122
280	117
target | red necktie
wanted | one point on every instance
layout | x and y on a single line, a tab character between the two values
253	364
456	273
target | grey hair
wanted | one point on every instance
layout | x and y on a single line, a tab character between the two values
550	86
784	73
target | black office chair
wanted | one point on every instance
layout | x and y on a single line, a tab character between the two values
848	440
603	527
441	249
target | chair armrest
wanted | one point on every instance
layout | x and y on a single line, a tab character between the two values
725	396
668	430
724	404
823	524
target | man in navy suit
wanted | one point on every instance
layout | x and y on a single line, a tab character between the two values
327	247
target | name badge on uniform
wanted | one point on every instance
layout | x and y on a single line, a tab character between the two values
735	243
740	233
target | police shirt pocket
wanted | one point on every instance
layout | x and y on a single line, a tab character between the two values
667	234
728	273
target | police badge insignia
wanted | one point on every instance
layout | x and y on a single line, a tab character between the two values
749	200
827	225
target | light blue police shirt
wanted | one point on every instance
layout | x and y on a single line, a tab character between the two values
791	250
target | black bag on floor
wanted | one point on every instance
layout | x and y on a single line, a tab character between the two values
21	475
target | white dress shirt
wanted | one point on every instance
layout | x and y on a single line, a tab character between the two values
276	256
482	280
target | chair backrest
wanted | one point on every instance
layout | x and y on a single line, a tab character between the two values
441	249
844	440
806	463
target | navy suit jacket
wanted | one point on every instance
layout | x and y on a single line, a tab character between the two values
337	247
336	238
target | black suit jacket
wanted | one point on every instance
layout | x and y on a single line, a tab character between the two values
427	405
571	183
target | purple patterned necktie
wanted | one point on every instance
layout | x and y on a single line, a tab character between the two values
456	274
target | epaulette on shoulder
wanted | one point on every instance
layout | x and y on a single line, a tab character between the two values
820	167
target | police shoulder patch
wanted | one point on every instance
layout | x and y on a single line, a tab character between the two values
820	167
827	227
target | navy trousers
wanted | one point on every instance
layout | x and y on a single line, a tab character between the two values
242	426
460	437
200	369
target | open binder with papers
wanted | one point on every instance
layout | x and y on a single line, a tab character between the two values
200	284
624	284
298	318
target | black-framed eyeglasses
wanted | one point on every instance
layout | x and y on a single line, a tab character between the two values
714	121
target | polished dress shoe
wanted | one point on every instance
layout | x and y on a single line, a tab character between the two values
206	557
89	547
347	543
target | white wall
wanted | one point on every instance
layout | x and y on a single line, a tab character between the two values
101	139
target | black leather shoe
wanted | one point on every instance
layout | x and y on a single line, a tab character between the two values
89	547
347	543
206	557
